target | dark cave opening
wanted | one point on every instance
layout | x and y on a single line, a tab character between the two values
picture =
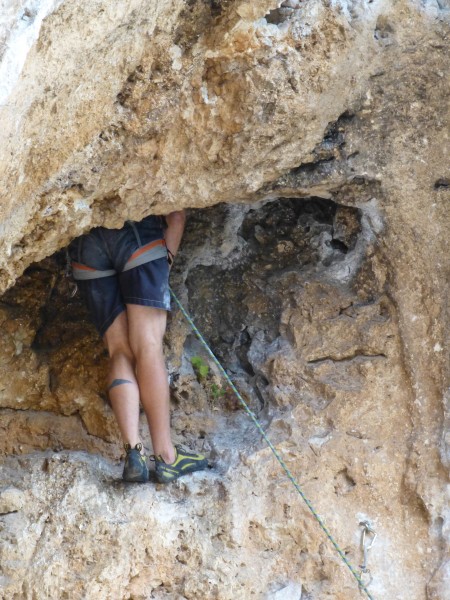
239	299
239	266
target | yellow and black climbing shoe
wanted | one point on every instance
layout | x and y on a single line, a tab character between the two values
185	462
135	468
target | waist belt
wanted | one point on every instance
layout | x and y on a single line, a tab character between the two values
145	254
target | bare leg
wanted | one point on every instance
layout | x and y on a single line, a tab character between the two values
122	384
146	331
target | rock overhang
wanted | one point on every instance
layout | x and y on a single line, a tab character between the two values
180	105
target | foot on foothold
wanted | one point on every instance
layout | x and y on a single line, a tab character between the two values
185	462
135	468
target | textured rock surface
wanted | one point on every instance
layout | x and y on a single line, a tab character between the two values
127	108
321	281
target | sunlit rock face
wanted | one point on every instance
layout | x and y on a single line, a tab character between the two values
309	140
114	110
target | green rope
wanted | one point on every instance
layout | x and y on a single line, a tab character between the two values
253	417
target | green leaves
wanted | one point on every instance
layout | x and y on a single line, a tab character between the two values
217	394
200	367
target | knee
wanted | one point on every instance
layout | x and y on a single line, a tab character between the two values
121	350
149	345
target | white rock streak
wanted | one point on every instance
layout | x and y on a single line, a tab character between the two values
20	24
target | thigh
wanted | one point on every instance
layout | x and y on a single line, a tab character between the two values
147	285
97	279
103	300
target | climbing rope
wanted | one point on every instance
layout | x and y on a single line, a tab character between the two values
277	455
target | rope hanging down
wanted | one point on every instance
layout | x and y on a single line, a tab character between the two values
277	455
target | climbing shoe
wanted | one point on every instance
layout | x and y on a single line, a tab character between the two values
185	462
135	468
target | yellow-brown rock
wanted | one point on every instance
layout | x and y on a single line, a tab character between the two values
309	138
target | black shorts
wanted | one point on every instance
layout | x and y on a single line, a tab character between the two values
116	267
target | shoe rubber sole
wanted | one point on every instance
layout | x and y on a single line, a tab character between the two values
185	463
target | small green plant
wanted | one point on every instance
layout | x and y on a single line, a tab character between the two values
200	367
217	391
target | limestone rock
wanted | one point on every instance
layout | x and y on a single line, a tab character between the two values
11	500
119	110
310	141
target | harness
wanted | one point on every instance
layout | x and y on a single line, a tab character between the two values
144	254
149	252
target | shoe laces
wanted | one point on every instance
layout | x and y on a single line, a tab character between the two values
128	447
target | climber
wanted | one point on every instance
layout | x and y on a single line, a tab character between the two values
123	276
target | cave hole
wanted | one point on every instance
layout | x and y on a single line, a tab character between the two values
284	13
442	183
237	299
239	266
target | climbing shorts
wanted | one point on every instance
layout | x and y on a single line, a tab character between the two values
116	267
